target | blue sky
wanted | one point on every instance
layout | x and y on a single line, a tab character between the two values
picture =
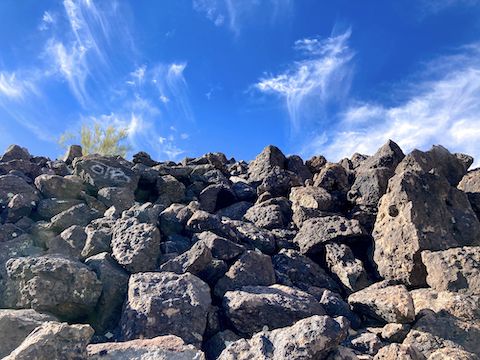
186	77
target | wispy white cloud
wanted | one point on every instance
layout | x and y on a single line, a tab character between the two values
48	19
436	6
308	85
441	108
14	88
234	14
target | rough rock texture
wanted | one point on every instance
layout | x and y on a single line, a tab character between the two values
166	303
254	307
136	246
63	287
384	302
162	347
432	214
317	231
456	269
373	257
53	340
15	325
310	338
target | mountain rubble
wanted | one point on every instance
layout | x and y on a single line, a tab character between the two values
374	257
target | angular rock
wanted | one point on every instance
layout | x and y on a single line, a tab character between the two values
456	269
295	269
315	232
349	270
270	157
218	342
316	163
220	247
427	343
437	160
310	197
54	340
169	347
48	208
136	246
462	306
310	338
235	211
254	307
166	303
384	302
73	151
295	164
278	182
395	332
15	325
11	185
174	218
114	290
470	184
271	214
55	186
446	330
99	236
120	198
194	261
432	215
251	235
250	269
333	178
79	215
15	152
449	353
399	352
105	171
170	190
69	243
215	197
364	342
63	287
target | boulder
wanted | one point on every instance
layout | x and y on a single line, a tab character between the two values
364	342
250	235
310	338
11	186
315	232
294	163
73	151
99	236
170	190
48	208
470	184
335	306
54	340
456	269
252	268
215	197
310	197
65	288
432	214
135	245
79	215
384	302
399	352
69	243
121	198
449	353
316	163
271	214
15	325
347	269
463	306
15	152
270	157
195	260
443	330
55	186
254	307
296	270
220	247
166	303
395	332
278	182
105	171
174	218
218	342
114	281
169	347
333	178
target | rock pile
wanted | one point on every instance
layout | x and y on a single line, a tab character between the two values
374	257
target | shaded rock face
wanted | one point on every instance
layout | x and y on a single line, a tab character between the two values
166	303
63	287
254	307
373	257
432	214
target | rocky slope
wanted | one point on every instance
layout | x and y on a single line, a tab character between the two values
374	257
